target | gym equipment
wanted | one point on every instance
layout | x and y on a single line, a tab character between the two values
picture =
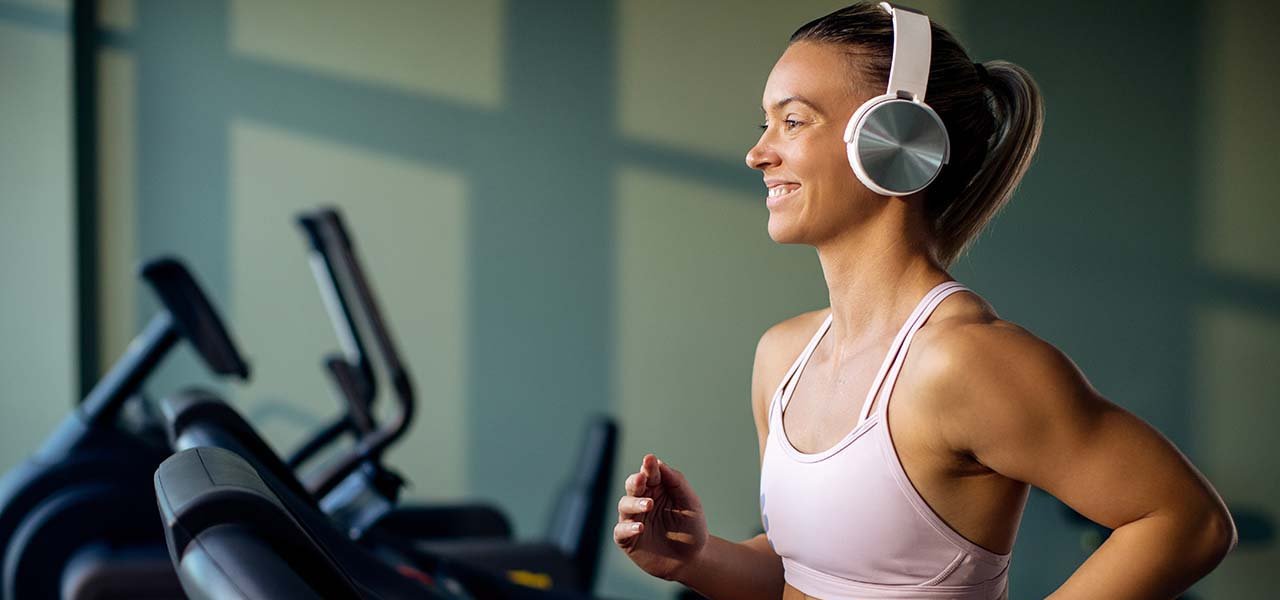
570	551
232	536
77	519
358	489
351	371
362	493
896	143
235	531
334	255
201	421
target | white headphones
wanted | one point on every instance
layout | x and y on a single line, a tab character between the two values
896	143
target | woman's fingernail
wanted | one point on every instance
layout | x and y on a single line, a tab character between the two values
644	504
635	527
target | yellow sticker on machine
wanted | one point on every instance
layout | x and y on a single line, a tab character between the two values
541	581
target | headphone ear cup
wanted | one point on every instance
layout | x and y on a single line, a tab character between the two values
896	146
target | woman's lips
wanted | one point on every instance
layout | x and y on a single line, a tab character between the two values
780	192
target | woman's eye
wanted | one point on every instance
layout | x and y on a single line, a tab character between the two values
788	124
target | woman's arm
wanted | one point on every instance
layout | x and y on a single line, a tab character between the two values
661	503
751	569
1023	409
727	569
662	528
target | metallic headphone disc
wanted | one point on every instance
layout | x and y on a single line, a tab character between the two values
902	145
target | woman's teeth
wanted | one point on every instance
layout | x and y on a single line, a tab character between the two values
781	190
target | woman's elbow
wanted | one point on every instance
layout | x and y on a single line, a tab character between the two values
1218	535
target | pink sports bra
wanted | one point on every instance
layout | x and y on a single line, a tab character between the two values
847	521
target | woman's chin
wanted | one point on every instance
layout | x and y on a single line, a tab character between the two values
782	232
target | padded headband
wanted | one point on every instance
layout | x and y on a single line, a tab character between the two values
912	49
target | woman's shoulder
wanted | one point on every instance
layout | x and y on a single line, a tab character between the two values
778	347
966	332
786	339
969	361
998	392
780	344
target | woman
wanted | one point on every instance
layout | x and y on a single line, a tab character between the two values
919	497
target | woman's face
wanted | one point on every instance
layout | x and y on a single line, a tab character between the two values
813	194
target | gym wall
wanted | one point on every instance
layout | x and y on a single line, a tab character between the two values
38	358
551	201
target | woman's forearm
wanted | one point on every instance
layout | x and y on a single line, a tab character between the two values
1153	557
727	569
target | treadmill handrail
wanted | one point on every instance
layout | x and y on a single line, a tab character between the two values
338	305
370	448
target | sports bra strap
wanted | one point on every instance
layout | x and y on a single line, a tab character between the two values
781	393
942	292
898	341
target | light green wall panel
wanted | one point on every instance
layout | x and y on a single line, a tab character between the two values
1236	415
438	48
117	205
1238	233
668	51
698	281
38	365
408	222
116	15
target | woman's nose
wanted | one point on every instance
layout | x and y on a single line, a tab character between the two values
761	156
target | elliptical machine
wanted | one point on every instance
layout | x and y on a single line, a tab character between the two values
78	519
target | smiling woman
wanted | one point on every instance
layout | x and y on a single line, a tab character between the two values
991	115
920	497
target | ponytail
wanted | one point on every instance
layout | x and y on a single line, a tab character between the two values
1018	110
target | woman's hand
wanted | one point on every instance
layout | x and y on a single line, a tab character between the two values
660	522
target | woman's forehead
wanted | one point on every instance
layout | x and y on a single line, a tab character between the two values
820	74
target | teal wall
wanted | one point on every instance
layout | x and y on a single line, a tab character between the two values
551	200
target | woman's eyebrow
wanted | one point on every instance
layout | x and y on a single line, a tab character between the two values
789	99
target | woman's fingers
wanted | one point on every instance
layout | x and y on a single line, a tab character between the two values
649	467
650	475
631	505
622	532
638	485
647	477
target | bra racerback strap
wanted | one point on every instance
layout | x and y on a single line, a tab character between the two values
783	395
901	357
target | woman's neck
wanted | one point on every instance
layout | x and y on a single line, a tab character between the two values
875	277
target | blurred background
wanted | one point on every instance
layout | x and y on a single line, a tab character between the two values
551	199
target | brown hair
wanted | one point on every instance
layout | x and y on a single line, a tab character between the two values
994	119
